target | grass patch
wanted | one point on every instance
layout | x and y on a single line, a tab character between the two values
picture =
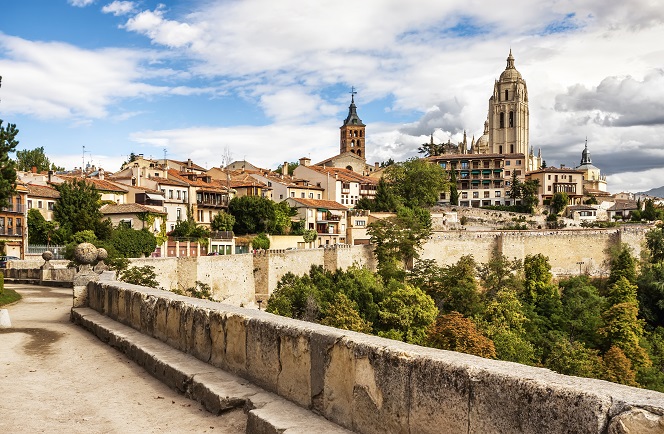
8	296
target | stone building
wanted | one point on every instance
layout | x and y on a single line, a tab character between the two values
485	169
593	182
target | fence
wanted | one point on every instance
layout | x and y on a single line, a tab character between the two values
38	249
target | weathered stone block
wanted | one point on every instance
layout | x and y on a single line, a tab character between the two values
218	339
637	421
294	378
201	344
236	343
263	344
173	324
161	312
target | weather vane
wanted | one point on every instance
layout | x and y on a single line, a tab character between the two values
353	92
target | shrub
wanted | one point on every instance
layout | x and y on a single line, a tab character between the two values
261	241
144	276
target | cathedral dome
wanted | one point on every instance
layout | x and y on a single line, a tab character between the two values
510	73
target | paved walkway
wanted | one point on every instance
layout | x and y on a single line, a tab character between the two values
57	378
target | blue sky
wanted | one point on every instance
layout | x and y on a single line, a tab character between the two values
270	81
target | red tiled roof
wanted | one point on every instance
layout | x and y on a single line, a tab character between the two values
42	191
344	174
319	203
99	184
129	208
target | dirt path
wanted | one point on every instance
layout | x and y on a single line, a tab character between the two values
57	378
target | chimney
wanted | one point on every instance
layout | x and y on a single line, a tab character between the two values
284	169
33	169
304	161
101	173
189	162
562	166
376	165
50	174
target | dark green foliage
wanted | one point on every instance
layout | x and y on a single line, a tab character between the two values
41	231
417	182
189	229
282	217
77	208
454	193
253	214
8	145
622	264
261	241
27	159
386	199
222	221
200	290
559	201
144	276
131	243
650	213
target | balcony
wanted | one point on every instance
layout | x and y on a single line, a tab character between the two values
15	208
15	232
222	235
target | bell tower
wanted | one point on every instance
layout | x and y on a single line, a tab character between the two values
352	131
508	113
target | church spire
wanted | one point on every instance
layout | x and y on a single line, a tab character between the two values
585	155
352	131
510	61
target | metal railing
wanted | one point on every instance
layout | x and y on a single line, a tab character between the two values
38	249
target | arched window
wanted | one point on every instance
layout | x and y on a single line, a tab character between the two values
502	119
511	149
500	149
359	153
349	168
511	119
352	143
506	94
355	133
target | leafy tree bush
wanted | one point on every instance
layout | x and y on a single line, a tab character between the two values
8	144
143	276
222	221
27	159
454	332
252	214
131	243
77	208
558	202
260	241
200	290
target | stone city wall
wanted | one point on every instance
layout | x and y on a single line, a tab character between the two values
374	385
564	248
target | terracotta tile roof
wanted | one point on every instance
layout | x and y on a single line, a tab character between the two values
623	205
42	191
344	174
319	203
193	165
215	185
167	181
343	154
145	189
129	208
99	184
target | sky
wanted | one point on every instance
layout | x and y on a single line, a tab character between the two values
92	81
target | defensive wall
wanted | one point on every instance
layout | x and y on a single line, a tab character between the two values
566	249
374	385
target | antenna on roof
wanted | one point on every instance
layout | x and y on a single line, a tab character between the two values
83	164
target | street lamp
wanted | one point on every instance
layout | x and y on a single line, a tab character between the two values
580	263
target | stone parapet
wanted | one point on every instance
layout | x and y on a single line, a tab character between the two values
374	385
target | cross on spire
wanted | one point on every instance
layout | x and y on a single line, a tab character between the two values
353	92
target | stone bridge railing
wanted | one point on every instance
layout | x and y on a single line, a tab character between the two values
374	385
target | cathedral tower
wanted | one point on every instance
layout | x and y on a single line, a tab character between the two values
508	113
352	131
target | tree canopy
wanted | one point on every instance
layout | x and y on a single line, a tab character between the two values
29	158
77	208
8	145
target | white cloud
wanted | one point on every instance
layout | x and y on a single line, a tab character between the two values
118	8
161	31
81	3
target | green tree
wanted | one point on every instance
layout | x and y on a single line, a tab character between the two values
405	313
618	368
624	330
342	313
386	200
291	167
454	332
397	240
309	235
295	297
655	244
515	187
222	221
41	231
500	273
622	264
189	229
260	241
454	193
558	202
282	217
573	358
27	159
143	276
252	214
649	211
8	144
581	313
417	182
131	243
529	195
77	208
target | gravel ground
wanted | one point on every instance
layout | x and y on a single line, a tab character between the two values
57	378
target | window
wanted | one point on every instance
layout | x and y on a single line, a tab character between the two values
518	162
518	172
506	94
39	204
476	194
442	196
548	177
179	194
29	204
318	195
281	196
303	195
269	183
464	165
486	194
126	223
464	195
548	188
443	165
311	195
508	173
511	119
502	119
50	205
496	194
178	214
170	194
512	149
292	194
360	223
508	162
156	174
